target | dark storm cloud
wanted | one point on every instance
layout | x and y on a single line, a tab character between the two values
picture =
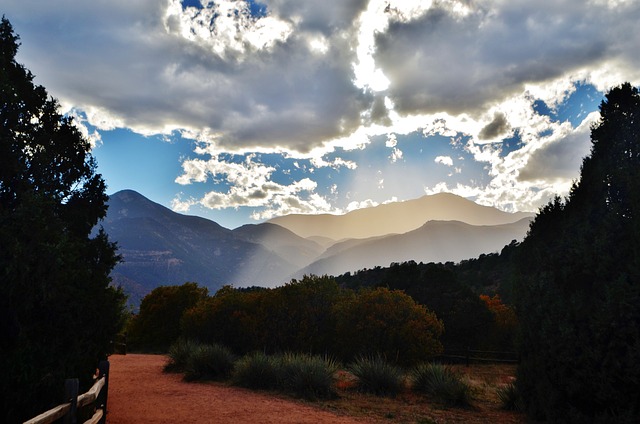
499	126
463	63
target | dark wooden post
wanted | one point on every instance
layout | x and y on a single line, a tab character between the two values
103	366
71	387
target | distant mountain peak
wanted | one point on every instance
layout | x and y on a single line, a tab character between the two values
396	217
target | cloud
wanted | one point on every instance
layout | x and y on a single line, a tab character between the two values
466	62
444	160
499	126
250	185
305	79
561	157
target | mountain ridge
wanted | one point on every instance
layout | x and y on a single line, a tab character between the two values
163	247
408	215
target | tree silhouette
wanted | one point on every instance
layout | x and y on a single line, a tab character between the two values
579	283
59	314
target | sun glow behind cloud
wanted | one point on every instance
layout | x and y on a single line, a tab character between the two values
310	107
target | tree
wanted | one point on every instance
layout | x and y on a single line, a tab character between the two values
157	325
578	288
59	314
386	322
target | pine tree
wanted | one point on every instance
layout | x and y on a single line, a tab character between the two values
579	283
58	312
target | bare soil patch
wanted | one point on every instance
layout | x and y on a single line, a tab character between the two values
140	392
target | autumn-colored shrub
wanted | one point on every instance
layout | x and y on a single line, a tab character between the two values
386	322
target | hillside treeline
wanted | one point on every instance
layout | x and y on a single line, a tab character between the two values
313	315
318	315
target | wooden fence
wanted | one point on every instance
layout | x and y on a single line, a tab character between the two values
468	356
97	395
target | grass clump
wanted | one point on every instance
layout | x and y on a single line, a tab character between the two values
257	371
179	354
307	376
510	397
378	376
443	383
209	362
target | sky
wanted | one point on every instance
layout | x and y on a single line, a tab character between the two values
240	111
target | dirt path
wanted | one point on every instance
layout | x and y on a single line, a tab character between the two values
139	392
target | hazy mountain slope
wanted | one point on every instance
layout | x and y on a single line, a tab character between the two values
161	247
435	241
399	217
286	244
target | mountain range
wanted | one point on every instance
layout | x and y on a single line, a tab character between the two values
162	247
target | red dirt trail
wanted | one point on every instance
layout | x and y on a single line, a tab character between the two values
140	393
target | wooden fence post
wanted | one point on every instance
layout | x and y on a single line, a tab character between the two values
71	387
103	366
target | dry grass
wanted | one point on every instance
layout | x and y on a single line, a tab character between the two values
409	407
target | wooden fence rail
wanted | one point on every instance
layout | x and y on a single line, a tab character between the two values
96	395
469	355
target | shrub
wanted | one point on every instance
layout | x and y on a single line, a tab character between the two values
157	326
307	376
376	375
510	398
179	354
388	322
209	362
257	371
441	382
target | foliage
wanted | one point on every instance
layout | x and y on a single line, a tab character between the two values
179	354
377	375
307	376
209	362
58	312
386	322
230	318
465	317
157	325
299	316
501	334
257	370
315	316
442	382
578	286
510	398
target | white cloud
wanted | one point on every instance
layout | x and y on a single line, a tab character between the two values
444	160
368	203
250	185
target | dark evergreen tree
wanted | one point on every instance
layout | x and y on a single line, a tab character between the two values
579	283
58	313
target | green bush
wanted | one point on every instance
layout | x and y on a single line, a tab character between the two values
307	376
209	362
257	371
378	376
441	382
510	398
157	326
179	354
